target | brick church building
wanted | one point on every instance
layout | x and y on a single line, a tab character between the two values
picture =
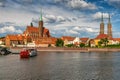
38	35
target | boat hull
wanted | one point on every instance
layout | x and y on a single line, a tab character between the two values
24	54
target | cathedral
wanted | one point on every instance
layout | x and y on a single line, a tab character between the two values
40	36
102	34
109	29
37	32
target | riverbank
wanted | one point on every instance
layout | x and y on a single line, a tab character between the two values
17	50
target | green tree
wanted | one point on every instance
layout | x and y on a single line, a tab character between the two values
70	45
82	45
59	43
103	41
100	43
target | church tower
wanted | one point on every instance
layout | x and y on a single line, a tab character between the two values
102	25
109	26
40	27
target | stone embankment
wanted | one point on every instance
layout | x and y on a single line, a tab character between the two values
17	50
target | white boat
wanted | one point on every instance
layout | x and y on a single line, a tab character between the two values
32	52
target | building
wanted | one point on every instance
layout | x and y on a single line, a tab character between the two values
14	40
67	40
85	41
102	25
2	41
32	35
102	34
37	32
109	32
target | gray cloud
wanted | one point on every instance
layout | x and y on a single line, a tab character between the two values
2	3
75	31
81	4
52	19
115	3
10	28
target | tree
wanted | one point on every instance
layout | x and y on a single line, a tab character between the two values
49	45
106	41
100	43
103	41
70	45
82	45
59	43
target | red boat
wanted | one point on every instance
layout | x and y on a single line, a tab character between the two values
24	53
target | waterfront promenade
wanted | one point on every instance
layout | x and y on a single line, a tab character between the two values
17	50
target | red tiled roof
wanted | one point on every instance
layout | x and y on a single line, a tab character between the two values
15	37
36	30
84	39
20	37
32	29
45	30
101	36
116	39
69	38
12	37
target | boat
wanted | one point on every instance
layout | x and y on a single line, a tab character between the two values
32	52
26	53
4	51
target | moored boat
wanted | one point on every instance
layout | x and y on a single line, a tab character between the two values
4	51
26	53
32	52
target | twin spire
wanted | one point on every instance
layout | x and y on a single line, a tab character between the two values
109	27
102	21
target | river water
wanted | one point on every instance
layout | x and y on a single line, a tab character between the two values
61	66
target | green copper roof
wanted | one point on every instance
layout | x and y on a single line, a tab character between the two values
41	15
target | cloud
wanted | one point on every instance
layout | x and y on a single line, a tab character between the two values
98	15
81	4
9	29
115	3
75	31
2	3
52	19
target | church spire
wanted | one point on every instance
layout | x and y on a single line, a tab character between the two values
109	19
102	25
41	15
102	18
109	27
40	27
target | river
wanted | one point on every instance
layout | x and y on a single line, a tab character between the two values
61	66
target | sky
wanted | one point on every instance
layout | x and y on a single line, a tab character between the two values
77	18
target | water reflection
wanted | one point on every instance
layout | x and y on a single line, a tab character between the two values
61	66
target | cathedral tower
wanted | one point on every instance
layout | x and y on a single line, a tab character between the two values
109	26
102	25
40	27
